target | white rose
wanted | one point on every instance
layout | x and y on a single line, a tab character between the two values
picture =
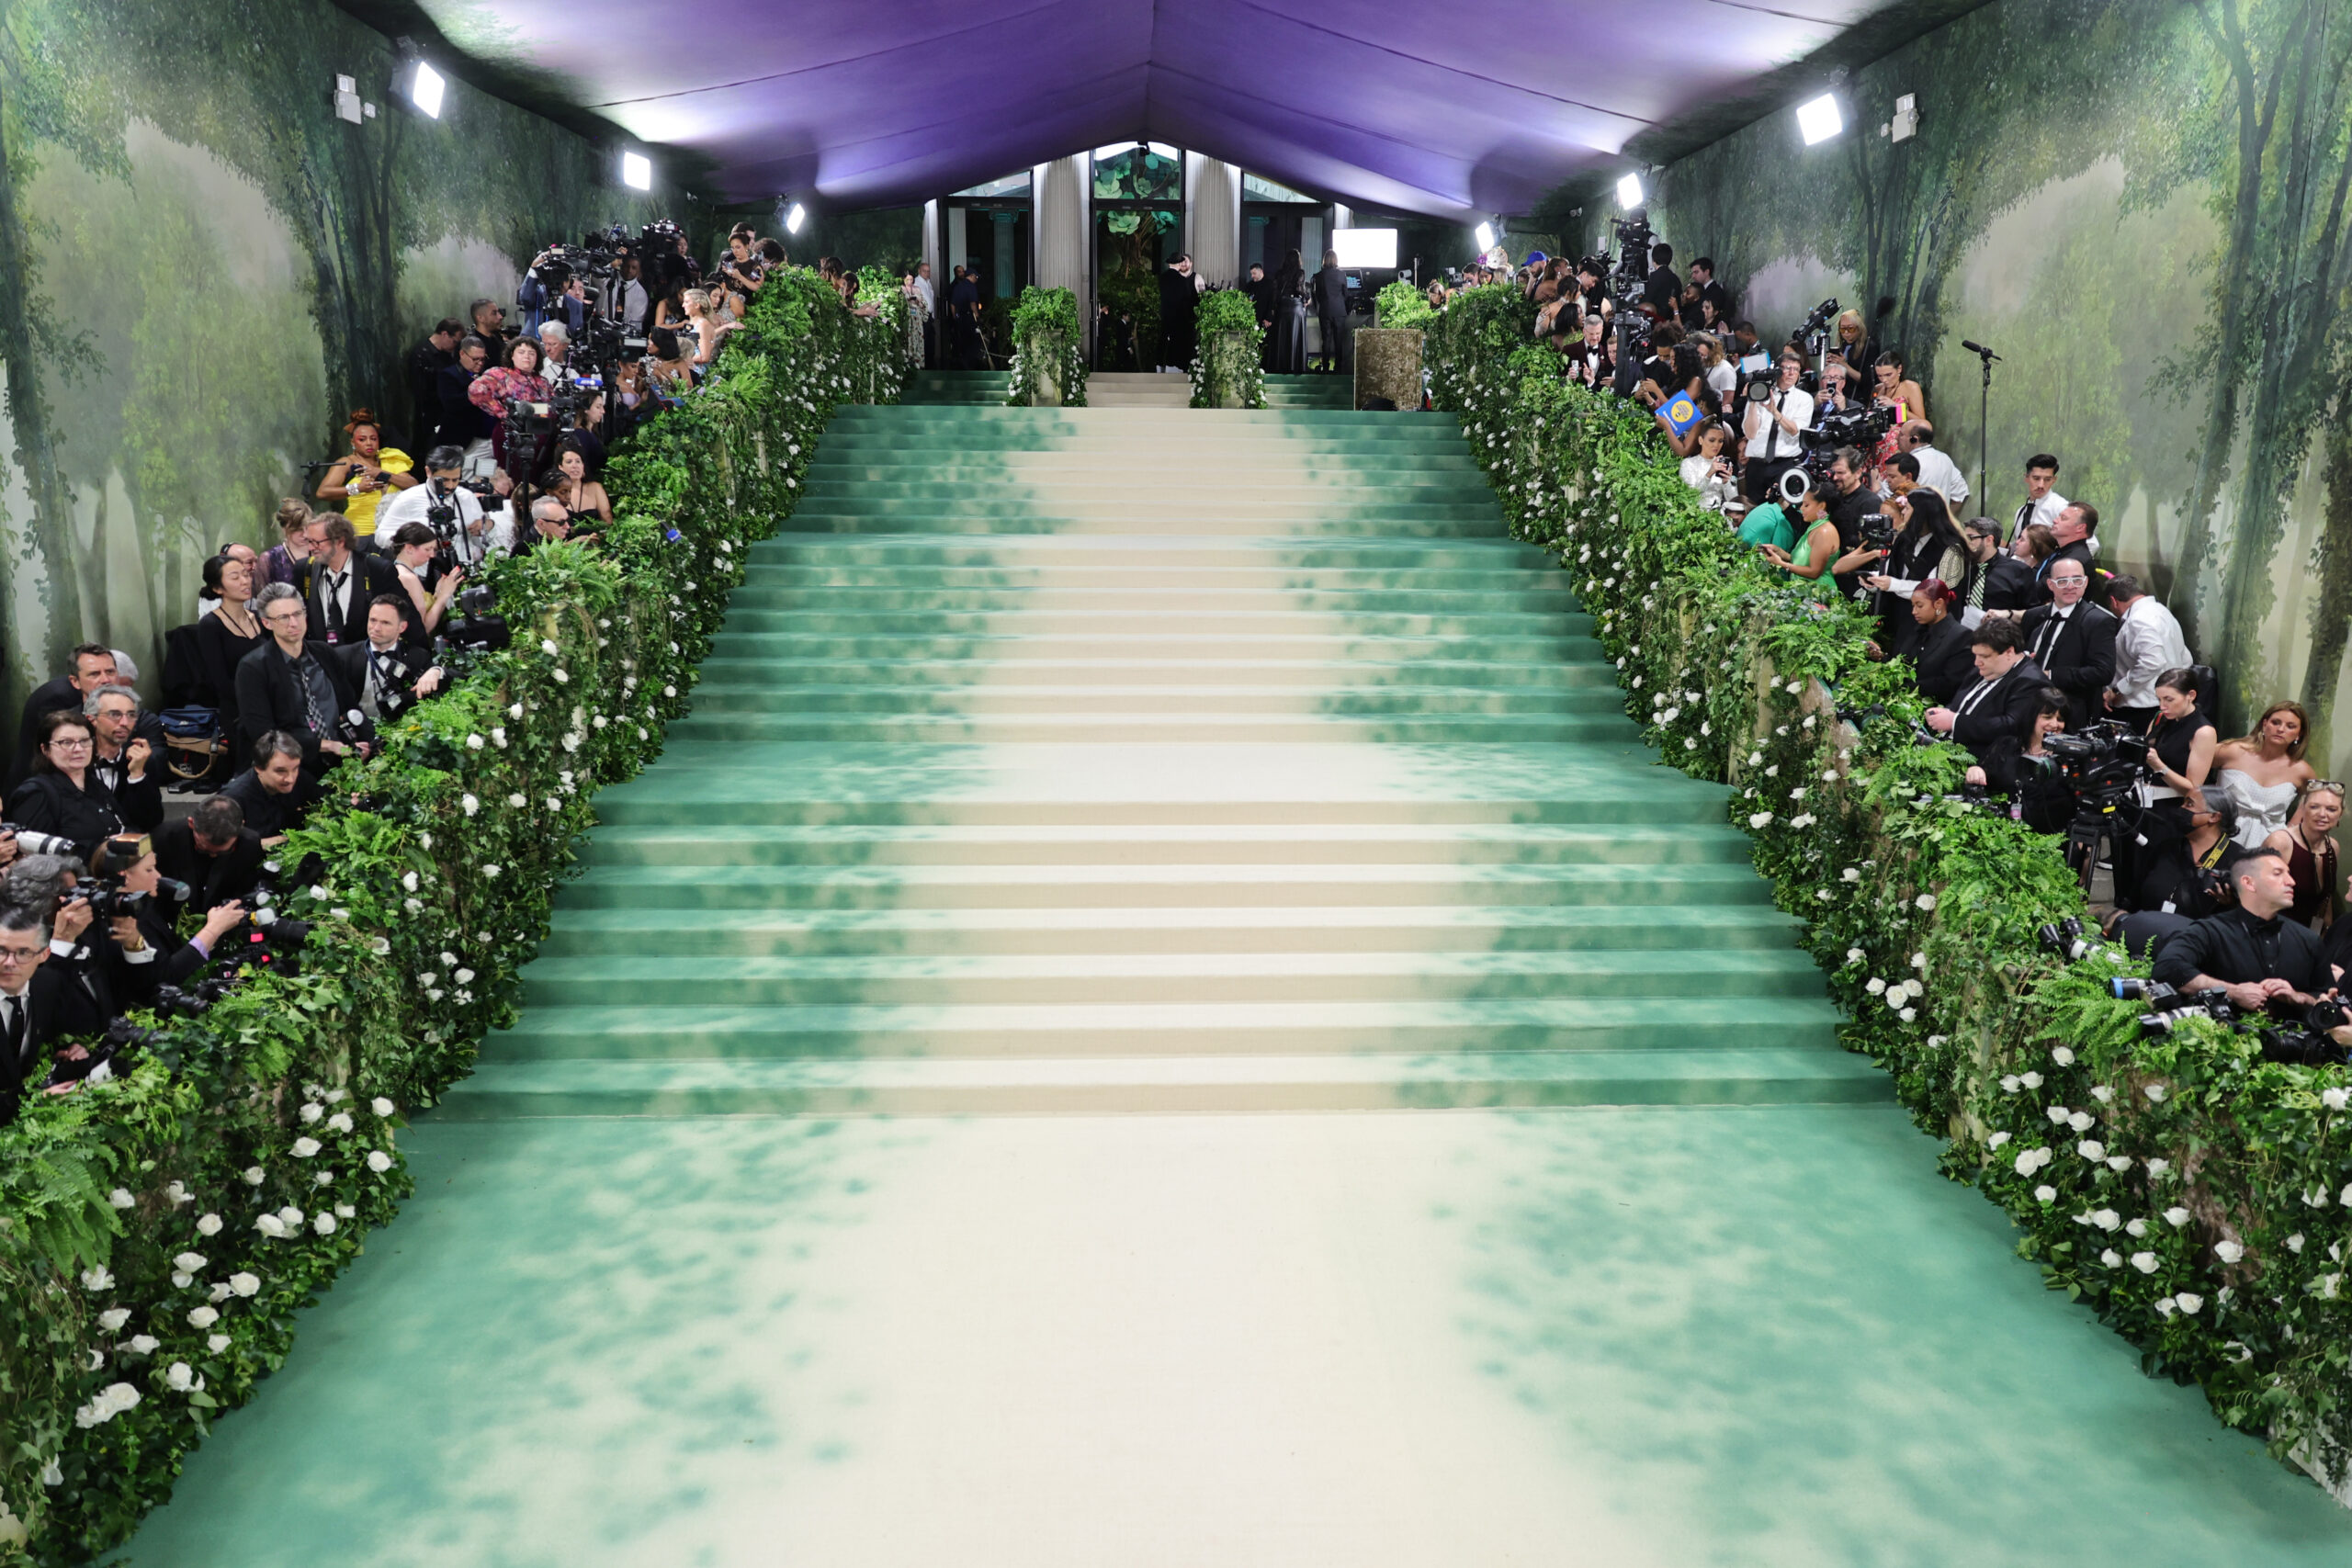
269	1225
113	1318
2057	1114
465	976
243	1284
493	869
188	1262
2030	1080
1925	900
2026	1164
468	803
2046	1194
96	1280
2228	1251
178	1193
2155	1092
1851	874
2145	1262
217	1343
380	1106
2062	1056
311	1113
2101	1093
518	800
2010	1083
1854	956
475	742
2106	1218
345	1212
322	1222
2135	1228
1997	1140
1758	819
1875	986
547	647
2111	1257
378	946
120	1198
305	1147
378	1161
2190	1303
2081	1122
1909	1015
2176	1216
180	1377
408	880
2118	1162
514	710
2335	1099
2158	1167
2091	1149
203	1317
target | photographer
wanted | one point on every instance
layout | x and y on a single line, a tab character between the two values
361	480
2263	961
464	426
496	389
2025	772
412	567
211	851
425	364
335	584
270	794
131	757
37	1006
1926	546
143	952
451	510
288	686
2003	702
391	671
1774	426
63	796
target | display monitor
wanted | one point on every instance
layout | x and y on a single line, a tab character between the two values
1365	247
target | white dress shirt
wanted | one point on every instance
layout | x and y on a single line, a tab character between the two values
2044	512
1797	403
1938	472
410	505
2147	644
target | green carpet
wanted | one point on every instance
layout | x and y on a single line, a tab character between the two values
918	1147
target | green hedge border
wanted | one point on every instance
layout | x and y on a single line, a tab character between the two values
2193	1196
161	1196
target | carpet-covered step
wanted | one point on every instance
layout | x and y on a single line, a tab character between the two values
1109	1027
1538	588
1169	500
1045	884
1162	978
1403	931
1213	724
1142	518
1177	645
726	667
1518	843
1169	551
1537	595
951	478
1269	617
1180	1084
718	697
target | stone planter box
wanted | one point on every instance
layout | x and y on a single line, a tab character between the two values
1043	352
1230	356
1388	364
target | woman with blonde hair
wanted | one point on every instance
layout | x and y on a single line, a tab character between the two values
295	520
1853	339
2262	774
2308	840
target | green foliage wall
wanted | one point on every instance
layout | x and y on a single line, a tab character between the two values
2149	223
202	270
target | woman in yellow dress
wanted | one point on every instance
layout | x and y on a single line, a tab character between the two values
371	471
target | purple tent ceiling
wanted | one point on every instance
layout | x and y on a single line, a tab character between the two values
1446	110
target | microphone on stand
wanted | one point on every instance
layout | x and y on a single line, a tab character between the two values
1978	348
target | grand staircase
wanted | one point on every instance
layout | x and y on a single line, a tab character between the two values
1136	760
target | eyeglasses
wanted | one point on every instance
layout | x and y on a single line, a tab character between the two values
2313	786
81	745
20	954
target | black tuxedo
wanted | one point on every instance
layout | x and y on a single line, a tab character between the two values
57	1005
1947	666
2077	653
266	815
140	804
398	670
2080	550
2008	582
369	575
271	696
1988	711
1713	290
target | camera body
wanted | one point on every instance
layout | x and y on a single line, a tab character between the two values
1876	530
2104	759
32	841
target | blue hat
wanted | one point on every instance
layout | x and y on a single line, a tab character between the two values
1534	256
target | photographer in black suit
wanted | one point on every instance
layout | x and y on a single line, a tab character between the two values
141	951
2073	640
2004	698
390	675
338	584
37	1007
211	851
288	684
1997	580
269	794
2264	962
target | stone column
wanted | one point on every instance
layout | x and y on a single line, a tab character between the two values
1212	219
1062	204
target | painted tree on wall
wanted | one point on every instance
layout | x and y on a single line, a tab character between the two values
2270	133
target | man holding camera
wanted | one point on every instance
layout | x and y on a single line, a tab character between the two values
1774	426
37	1006
2004	701
211	851
389	675
462	424
2074	641
288	686
129	758
451	510
2262	962
269	794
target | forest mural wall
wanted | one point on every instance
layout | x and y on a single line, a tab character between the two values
202	270
2141	205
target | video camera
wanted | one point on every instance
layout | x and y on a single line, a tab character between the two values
2107	758
2303	1041
477	625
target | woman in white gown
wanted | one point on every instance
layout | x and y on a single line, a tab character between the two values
2259	773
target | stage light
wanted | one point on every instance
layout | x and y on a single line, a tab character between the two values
1819	121
1485	235
637	171
1372	248
795	219
425	90
1629	192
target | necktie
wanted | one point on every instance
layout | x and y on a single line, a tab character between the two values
1977	579
2051	629
319	722
2025	515
334	599
1977	696
12	1033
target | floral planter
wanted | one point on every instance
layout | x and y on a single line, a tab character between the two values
1388	364
1041	352
1231	356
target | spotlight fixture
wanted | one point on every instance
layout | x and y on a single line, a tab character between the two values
1819	121
1485	235
795	219
637	171
425	90
1629	192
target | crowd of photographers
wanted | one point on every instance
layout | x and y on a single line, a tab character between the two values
136	845
2074	690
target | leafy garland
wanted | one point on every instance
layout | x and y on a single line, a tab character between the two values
159	1233
2197	1198
1402	305
1220	365
1047	317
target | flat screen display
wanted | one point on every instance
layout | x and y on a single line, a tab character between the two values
1365	247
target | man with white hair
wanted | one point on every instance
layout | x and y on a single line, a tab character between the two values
555	338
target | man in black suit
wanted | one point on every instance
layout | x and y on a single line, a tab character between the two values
2077	522
389	675
1662	287
425	364
129	755
289	685
1332	315
213	850
338	584
270	795
2073	641
1702	273
1997	580
37	1007
93	666
2003	702
463	425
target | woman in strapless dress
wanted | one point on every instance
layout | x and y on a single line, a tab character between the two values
2259	775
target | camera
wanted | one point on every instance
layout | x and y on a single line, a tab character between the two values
1876	530
193	1001
1855	427
2107	758
33	842
477	625
2304	1041
106	896
2064	938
